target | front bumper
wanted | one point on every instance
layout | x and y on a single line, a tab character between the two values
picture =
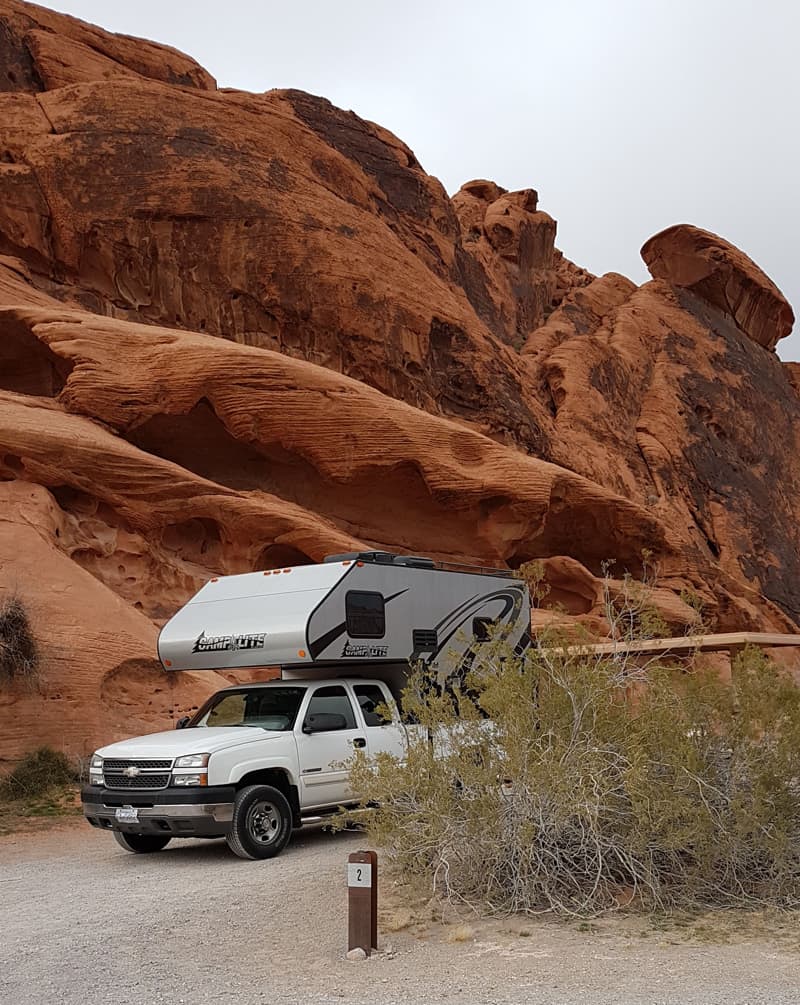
205	811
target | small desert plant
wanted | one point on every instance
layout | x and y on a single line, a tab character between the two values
628	605
19	654
38	773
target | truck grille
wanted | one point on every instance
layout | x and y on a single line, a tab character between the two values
140	782
110	764
136	774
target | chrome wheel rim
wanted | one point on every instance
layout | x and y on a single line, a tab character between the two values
263	822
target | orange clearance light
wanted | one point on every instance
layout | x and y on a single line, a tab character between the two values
301	653
359	563
346	563
268	572
287	570
215	579
167	663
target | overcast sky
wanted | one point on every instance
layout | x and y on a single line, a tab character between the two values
626	115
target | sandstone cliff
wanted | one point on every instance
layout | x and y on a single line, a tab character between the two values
239	331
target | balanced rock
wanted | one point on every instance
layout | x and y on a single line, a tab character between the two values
715	271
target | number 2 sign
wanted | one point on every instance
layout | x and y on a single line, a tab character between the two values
362	898
359	874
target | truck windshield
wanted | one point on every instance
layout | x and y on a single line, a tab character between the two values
273	708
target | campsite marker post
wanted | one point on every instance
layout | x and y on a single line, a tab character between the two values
362	901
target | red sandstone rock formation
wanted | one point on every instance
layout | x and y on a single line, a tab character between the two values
241	331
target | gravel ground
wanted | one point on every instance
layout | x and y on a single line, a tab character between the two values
83	921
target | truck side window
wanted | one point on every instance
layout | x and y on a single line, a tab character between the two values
371	698
365	615
332	699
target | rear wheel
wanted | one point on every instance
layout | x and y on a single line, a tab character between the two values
140	843
261	824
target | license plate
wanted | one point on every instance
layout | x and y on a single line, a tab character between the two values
127	814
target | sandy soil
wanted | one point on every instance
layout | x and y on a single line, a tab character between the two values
83	921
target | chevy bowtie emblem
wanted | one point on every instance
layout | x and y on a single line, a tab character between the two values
131	772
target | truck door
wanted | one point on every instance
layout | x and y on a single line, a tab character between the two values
323	775
384	735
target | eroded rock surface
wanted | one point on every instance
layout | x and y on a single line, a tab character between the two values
244	331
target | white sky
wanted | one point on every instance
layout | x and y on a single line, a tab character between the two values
626	115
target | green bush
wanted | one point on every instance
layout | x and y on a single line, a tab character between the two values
19	654
38	773
568	782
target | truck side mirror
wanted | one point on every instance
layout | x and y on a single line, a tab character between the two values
183	721
324	722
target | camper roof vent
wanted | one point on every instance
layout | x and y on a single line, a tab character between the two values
414	561
380	557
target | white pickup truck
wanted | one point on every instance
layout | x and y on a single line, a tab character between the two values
255	762
258	760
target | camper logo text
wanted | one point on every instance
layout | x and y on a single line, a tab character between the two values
375	651
227	643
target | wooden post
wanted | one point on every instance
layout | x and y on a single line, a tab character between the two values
362	901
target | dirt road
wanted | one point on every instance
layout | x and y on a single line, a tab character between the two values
82	921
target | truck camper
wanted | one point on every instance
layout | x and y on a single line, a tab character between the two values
369	608
259	759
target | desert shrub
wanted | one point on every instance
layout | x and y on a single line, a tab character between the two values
568	782
19	654
38	773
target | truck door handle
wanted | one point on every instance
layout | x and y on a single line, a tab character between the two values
359	741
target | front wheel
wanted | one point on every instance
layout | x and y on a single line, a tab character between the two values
140	843
261	824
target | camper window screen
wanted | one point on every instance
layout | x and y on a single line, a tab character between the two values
365	615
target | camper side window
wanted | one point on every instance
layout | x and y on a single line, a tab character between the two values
365	615
482	629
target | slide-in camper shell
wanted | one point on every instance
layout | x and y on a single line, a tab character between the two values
351	614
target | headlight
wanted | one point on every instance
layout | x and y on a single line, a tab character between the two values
96	770
184	777
192	761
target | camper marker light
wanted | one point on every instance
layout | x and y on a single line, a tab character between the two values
287	570
301	653
192	761
167	663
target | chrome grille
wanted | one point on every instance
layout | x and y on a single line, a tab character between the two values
138	773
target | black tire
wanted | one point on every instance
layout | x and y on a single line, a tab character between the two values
261	824
140	843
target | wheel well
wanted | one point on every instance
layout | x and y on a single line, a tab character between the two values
277	779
